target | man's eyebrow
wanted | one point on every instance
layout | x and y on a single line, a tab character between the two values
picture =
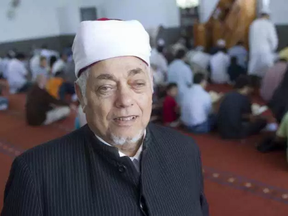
106	77
135	71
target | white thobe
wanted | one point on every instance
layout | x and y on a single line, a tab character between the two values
159	60
16	73
181	74
196	106
200	58
219	65
263	41
240	53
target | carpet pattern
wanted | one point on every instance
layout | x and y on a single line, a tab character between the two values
238	179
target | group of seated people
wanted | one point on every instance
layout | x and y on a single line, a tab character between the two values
49	88
231	115
189	105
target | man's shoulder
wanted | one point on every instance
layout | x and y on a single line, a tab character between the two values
172	139
56	149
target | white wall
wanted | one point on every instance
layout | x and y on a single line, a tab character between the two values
206	8
151	13
29	22
43	18
69	14
279	11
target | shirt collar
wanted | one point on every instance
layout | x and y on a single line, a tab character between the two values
121	154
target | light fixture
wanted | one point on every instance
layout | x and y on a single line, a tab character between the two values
187	3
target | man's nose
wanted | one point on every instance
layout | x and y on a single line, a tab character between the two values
124	97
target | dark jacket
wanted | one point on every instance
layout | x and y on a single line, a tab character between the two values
76	175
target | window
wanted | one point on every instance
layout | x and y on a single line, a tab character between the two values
88	14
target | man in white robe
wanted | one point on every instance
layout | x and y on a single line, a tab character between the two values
17	75
219	64
263	41
181	74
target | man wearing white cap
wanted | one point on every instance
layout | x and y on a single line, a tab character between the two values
117	165
263	42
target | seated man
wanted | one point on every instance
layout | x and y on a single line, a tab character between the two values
239	51
220	45
60	64
219	64
41	107
17	75
235	119
235	70
199	57
197	107
41	68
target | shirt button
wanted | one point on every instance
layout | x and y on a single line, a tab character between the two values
141	205
122	168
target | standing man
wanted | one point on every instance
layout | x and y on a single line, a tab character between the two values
117	164
263	41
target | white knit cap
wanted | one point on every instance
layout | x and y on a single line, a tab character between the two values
104	39
221	43
265	10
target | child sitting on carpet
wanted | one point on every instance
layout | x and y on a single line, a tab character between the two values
170	106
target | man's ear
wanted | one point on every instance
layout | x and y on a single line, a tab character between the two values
80	96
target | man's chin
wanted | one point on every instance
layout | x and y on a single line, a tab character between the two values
119	138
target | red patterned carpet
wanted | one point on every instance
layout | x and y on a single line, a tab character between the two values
238	180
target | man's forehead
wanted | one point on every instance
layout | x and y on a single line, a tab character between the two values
117	73
119	66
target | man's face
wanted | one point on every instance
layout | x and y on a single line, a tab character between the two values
174	92
43	63
204	84
119	99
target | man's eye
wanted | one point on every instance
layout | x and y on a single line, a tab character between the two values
105	89
140	84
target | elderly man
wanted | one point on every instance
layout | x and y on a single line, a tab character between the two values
115	165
